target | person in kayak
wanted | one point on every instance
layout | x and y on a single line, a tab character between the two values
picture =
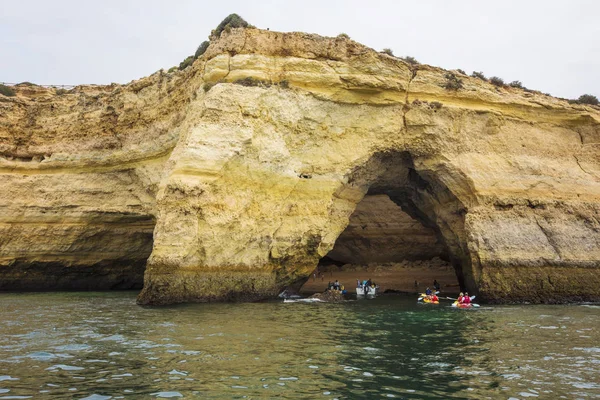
436	285
466	298
434	298
461	298
428	292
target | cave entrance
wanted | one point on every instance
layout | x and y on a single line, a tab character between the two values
406	232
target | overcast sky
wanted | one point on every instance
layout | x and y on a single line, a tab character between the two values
552	46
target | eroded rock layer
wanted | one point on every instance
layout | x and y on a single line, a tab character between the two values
251	162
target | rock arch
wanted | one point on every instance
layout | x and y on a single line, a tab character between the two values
425	197
265	180
275	196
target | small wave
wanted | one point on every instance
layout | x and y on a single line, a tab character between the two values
370	349
73	347
7	378
122	375
586	385
97	397
529	394
113	338
588	349
64	367
166	395
175	372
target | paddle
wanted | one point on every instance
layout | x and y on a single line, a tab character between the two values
450	298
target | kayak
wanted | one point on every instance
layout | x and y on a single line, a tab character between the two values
456	304
426	300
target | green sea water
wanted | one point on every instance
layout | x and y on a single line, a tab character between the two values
103	346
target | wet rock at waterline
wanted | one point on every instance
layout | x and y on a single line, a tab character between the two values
329	296
234	177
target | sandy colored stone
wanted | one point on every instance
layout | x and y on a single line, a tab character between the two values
247	187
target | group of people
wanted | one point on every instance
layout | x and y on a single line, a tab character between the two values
335	286
464	298
365	283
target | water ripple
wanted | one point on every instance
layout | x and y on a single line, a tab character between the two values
388	347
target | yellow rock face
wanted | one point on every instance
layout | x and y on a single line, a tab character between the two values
249	164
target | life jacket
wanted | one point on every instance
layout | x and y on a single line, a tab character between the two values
434	298
461	299
467	300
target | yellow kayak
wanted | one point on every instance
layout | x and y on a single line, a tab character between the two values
425	299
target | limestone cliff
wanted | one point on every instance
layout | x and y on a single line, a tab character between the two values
249	164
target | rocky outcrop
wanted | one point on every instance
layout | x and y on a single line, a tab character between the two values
79	174
250	163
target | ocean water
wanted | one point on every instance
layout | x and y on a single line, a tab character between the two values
103	346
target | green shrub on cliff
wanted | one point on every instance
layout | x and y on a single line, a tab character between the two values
387	51
452	82
201	49
190	59
479	75
588	99
411	60
516	84
494	80
186	63
7	91
231	21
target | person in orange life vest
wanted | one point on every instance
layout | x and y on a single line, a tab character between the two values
460	298
434	298
466	299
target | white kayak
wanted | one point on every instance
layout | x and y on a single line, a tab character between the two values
366	291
